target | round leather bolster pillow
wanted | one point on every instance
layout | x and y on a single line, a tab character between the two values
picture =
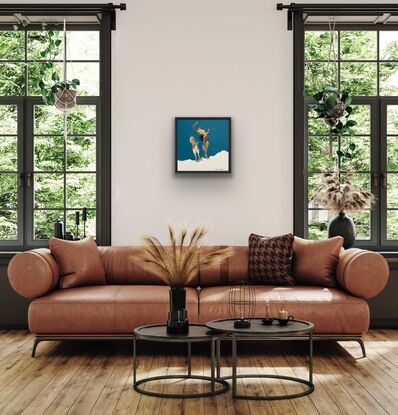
362	273
33	273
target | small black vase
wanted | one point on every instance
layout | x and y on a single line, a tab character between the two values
343	226
177	322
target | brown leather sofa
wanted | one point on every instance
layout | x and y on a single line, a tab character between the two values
133	296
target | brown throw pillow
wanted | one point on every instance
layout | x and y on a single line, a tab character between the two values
79	262
270	259
314	262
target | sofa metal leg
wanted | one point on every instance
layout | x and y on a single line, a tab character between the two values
362	344
35	344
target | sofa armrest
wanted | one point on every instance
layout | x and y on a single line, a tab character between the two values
33	273
362	273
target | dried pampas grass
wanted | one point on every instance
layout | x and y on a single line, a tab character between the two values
340	195
178	263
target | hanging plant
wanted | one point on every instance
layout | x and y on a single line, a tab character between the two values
335	109
62	94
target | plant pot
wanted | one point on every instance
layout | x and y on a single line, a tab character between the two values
343	226
177	322
65	100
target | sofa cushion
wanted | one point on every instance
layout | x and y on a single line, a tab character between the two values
314	262
110	309
270	259
79	262
333	311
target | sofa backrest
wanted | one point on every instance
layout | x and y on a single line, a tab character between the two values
123	266
231	271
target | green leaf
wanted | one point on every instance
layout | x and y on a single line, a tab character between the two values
351	123
329	89
76	81
349	110
318	96
352	146
331	101
55	76
58	42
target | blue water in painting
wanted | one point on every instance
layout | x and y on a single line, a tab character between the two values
218	137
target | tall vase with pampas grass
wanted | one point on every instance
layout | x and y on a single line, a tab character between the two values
338	194
177	265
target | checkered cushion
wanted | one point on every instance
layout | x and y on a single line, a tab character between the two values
270	259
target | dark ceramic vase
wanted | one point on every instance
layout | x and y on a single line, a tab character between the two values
343	226
177	322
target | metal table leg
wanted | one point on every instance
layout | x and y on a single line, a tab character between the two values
189	359
134	361
218	344
234	363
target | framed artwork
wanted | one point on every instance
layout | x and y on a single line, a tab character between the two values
203	145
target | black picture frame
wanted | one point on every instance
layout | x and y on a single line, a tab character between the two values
195	157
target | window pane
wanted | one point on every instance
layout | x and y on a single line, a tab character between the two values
81	153
82	120
362	222
44	222
48	190
39	41
392	119
388	78
318	152
314	181
81	190
8	154
12	45
317	45
358	45
35	76
361	114
90	224
392	154
48	120
8	225
388	45
361	155
317	76
49	153
392	224
12	79
359	78
318	221
82	45
8	191
8	117
88	75
392	190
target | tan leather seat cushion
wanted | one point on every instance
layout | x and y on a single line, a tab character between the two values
112	309
331	310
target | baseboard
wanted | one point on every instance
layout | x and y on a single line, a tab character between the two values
384	323
13	327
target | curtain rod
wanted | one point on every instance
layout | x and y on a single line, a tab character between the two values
336	9
61	8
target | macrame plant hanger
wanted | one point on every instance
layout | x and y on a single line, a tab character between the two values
334	81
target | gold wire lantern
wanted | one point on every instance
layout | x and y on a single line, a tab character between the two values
242	304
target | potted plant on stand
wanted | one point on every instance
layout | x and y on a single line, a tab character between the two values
177	265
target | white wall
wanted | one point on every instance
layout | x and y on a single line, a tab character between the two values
202	58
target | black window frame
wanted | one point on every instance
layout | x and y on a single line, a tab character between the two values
378	143
105	24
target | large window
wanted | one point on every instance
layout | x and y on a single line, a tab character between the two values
366	65
52	166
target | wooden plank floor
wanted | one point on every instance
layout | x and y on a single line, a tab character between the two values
95	377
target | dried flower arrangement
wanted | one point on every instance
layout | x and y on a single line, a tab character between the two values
341	195
178	263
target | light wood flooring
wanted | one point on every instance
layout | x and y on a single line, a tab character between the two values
95	377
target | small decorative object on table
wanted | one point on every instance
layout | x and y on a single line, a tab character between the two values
284	317
242	304
177	265
58	232
268	319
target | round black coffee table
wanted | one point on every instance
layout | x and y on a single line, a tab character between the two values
259	331
197	333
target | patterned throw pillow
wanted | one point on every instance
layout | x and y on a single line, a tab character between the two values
270	259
